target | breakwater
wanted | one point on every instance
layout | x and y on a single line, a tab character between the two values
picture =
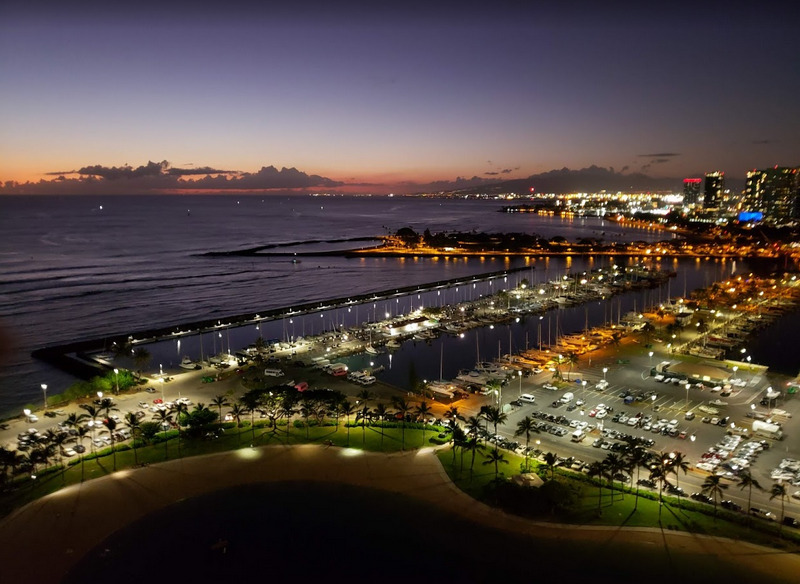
71	357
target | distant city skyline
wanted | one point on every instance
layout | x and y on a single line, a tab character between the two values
397	99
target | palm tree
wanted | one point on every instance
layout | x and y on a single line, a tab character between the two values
380	412
495	457
348	409
746	480
550	461
364	396
423	409
92	413
180	409
57	439
220	401
135	425
613	465
779	491
458	437
288	410
403	408
714	485
571	359
107	406
74	420
636	457
658	472
598	471
525	426
474	426
308	410
251	400
453	414
82	432
238	411
494	415
473	446
677	461
164	417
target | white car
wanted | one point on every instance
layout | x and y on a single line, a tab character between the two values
550	386
33	418
601	414
537	370
527	398
601	385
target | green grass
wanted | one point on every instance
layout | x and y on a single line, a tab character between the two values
99	464
617	509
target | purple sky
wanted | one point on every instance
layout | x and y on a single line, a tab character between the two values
363	94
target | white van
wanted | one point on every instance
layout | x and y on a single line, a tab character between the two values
527	398
578	435
273	372
566	398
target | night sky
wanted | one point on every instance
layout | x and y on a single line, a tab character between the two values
369	98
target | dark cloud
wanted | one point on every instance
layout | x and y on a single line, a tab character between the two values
159	177
60	172
763	142
660	160
645	167
119	172
196	171
624	168
659	155
503	171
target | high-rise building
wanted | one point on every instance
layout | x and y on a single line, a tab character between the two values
713	190
691	191
775	192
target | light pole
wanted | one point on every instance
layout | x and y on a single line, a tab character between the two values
116	379
651	357
605	370
44	391
519	374
653	402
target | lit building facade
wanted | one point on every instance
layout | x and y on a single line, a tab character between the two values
691	191
775	192
713	191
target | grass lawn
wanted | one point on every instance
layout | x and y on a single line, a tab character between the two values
615	510
75	471
472	477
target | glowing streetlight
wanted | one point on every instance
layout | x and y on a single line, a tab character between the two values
651	357
605	370
44	391
519	374
116	379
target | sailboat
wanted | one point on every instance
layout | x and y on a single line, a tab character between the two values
370	349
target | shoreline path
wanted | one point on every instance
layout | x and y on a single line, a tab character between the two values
42	541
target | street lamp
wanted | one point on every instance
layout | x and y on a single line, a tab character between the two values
605	370
44	390
116	379
653	402
651	357
519	374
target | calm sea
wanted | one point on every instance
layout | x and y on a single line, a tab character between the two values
84	266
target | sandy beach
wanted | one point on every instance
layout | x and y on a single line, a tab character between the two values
63	527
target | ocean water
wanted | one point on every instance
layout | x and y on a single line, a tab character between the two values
81	267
